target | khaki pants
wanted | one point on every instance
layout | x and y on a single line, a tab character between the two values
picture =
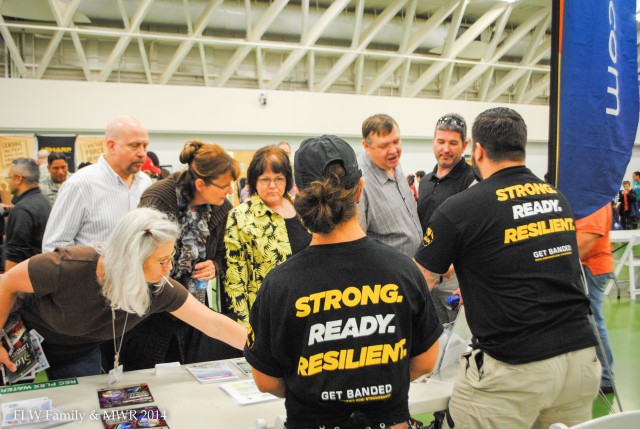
491	394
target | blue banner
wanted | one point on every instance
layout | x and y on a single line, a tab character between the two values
598	100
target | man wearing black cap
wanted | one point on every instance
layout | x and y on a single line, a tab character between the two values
388	210
450	176
512	238
340	342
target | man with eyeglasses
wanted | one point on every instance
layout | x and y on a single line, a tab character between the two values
91	203
450	176
387	209
28	217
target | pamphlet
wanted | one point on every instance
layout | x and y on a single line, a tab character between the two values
211	372
145	417
243	365
17	341
126	395
246	392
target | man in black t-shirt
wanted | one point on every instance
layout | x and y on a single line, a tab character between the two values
512	241
450	176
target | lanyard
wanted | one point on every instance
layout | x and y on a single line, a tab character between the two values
116	359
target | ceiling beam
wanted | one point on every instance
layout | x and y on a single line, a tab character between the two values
16	58
518	34
515	74
363	41
472	75
256	34
392	64
359	73
259	67
123	42
145	61
311	75
185	47
406	35
447	49
143	52
63	20
538	37
462	42
308	39
537	89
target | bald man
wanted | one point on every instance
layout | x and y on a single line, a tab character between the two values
92	202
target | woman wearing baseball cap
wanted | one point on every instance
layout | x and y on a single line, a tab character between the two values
341	328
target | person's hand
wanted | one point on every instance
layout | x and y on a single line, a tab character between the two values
6	361
205	270
458	293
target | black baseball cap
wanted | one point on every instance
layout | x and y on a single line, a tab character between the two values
316	153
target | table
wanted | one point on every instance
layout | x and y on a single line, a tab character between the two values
189	404
632	238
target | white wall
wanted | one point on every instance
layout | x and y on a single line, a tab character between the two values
235	119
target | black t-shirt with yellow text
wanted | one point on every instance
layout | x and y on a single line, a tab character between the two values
339	323
512	241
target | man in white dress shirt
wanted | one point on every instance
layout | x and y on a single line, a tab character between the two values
92	202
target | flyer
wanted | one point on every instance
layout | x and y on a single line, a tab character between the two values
125	395
133	418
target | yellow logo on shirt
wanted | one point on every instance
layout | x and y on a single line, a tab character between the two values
428	237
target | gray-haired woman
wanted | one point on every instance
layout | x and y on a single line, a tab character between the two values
78	297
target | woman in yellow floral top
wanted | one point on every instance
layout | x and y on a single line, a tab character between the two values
263	231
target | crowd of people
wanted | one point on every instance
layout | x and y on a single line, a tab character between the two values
331	275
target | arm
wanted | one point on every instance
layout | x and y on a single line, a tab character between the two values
424	362
66	218
17	280
431	278
586	241
211	323
269	384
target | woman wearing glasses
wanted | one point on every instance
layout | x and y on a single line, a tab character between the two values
78	296
263	231
197	199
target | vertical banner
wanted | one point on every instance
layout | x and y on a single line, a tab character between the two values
596	99
12	147
62	144
89	149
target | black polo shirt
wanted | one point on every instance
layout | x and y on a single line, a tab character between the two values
434	190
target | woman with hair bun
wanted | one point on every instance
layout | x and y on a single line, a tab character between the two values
341	328
78	297
263	231
196	198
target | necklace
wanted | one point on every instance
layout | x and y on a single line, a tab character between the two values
116	358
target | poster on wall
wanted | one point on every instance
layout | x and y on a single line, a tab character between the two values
60	144
12	147
89	149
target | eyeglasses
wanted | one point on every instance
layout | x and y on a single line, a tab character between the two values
14	176
224	188
165	262
279	181
446	120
